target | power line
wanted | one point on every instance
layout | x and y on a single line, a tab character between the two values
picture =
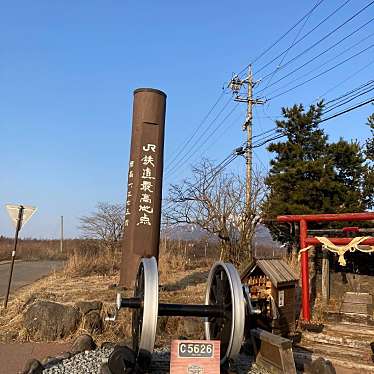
209	126
305	35
345	79
260	144
190	153
270	134
217	169
324	72
322	64
285	55
213	140
348	100
269	138
233	155
227	163
322	53
264	167
176	167
326	36
283	36
347	110
196	130
362	86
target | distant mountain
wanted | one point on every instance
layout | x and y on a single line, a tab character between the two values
195	233
186	232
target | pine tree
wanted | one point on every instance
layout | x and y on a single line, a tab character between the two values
309	175
350	170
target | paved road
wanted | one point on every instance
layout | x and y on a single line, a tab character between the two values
25	273
13	356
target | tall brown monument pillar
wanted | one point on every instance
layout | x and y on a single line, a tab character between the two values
144	189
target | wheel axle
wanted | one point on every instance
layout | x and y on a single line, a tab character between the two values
182	310
224	310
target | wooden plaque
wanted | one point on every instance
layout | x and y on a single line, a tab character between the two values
195	357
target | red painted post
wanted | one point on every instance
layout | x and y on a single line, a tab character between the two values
306	240
304	271
367	216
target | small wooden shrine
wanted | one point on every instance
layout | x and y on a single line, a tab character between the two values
272	285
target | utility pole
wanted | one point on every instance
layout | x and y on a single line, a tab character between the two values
62	234
248	153
236	85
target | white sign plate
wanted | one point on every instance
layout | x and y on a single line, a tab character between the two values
13	211
281	298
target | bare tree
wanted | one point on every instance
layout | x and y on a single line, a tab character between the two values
105	224
215	201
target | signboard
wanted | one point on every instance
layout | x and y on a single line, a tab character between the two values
19	214
13	211
195	357
281	298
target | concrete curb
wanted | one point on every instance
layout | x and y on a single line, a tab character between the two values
5	262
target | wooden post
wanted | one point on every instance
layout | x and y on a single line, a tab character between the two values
304	271
62	234
144	188
325	276
18	228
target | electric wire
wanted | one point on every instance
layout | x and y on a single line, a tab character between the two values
204	132
345	80
347	100
219	135
322	73
322	53
324	37
215	171
270	134
285	52
264	167
349	92
304	36
322	65
371	100
188	141
267	140
233	156
285	55
190	154
282	36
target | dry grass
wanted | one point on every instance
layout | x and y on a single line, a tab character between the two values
83	266
177	274
56	287
90	258
35	249
90	271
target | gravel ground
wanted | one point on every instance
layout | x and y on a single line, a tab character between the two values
89	362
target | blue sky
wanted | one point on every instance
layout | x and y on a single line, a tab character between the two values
68	70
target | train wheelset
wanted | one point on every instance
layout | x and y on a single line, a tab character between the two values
227	305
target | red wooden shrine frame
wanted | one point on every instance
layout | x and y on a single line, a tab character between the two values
306	240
